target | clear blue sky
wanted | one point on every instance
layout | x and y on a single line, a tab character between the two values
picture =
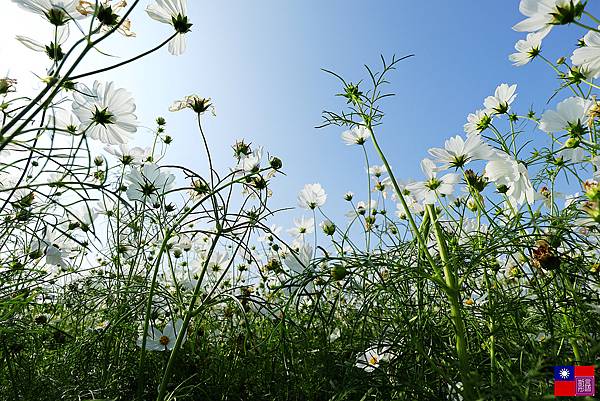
261	63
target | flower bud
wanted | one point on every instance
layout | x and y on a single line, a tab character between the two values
177	252
572	143
7	85
472	204
328	227
502	188
339	272
475	181
352	94
276	163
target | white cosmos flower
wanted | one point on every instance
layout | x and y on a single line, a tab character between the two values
356	136
298	262
503	97
58	12
571	155
194	102
301	227
147	183
548	197
106	206
56	249
469	229
361	208
505	170
63	122
172	12
89	8
312	196
218	261
251	163
382	185
83	215
527	49
588	56
570	113
62	35
370	359
157	340
457	152
477	122
377	171
429	190
106	113
270	234
540	14
413	204
127	155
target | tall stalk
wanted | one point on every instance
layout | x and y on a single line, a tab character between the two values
455	305
450	286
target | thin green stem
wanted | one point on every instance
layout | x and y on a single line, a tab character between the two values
112	67
407	211
589	28
596	20
186	322
455	306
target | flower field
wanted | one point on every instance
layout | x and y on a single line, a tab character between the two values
126	277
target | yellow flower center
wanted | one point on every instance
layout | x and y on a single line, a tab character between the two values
164	340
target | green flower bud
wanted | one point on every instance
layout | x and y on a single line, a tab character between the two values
502	188
7	85
572	143
339	272
328	227
276	163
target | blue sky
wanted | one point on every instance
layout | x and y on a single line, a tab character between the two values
261	63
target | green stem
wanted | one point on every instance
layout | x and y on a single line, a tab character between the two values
455	306
409	216
571	324
596	20
186	322
589	28
76	77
